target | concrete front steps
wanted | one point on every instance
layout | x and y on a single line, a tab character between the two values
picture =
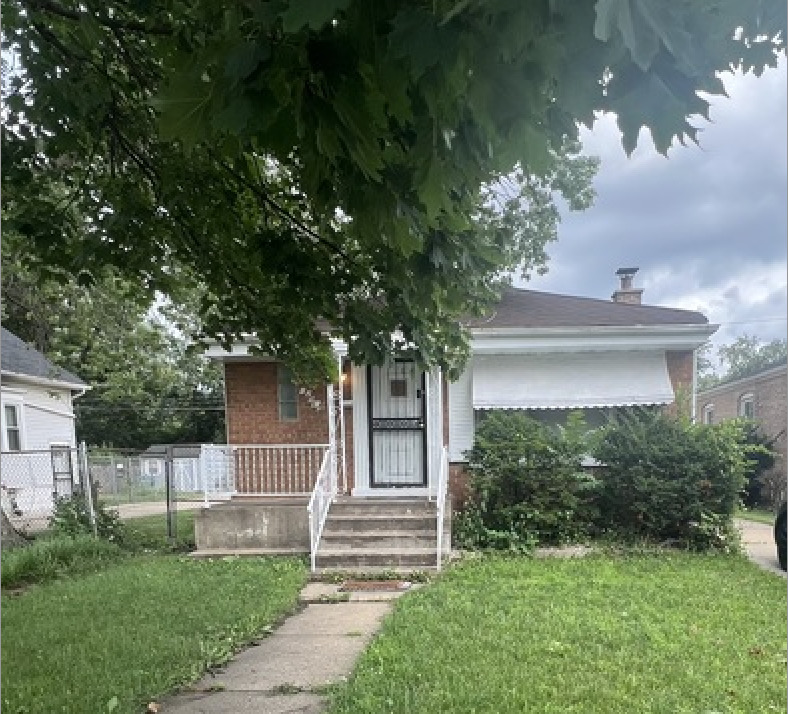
399	534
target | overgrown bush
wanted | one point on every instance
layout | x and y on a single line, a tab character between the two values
51	558
71	517
527	484
756	494
670	480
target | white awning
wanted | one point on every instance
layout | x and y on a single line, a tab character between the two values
570	381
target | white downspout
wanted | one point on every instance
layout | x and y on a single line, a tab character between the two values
693	414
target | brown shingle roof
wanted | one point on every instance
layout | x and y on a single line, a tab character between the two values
529	308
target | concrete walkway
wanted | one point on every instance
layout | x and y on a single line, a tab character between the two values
289	671
758	541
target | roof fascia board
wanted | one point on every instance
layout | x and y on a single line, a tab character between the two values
240	351
46	382
592	339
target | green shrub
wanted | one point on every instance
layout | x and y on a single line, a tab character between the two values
55	557
527	484
761	461
71	517
670	480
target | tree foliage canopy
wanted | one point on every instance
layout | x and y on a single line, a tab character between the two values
339	159
146	386
745	356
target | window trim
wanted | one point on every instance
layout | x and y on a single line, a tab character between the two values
18	406
746	398
283	377
707	414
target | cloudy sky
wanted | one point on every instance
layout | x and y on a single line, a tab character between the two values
706	226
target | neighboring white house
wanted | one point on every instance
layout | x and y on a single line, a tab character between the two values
38	439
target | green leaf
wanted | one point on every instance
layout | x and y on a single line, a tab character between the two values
245	58
311	13
432	192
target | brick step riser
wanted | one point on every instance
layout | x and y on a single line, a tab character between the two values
361	559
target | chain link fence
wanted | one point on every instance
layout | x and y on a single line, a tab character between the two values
153	482
30	481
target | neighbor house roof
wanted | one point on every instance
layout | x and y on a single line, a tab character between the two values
530	308
770	370
20	359
179	451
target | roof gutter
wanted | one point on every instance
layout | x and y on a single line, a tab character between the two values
520	340
47	382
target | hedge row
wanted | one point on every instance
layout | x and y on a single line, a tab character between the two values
662	479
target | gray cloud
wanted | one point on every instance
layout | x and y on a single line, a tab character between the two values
707	225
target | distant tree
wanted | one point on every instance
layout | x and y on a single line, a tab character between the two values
707	377
747	355
147	386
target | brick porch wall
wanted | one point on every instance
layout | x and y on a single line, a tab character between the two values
252	408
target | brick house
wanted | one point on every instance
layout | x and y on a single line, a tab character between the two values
761	397
399	434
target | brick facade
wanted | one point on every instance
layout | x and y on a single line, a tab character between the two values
681	365
769	402
252	405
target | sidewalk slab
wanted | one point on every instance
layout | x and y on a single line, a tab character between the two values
230	702
288	671
757	539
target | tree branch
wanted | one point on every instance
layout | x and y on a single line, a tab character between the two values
283	212
53	8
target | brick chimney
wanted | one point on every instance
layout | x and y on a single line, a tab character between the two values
626	293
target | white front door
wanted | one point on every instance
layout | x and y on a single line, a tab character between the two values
396	425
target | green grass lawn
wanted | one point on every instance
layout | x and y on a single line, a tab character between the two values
756	514
114	640
670	633
150	532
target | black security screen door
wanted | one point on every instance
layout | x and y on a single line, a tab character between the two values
397	432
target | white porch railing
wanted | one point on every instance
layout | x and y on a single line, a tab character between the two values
441	492
261	469
324	493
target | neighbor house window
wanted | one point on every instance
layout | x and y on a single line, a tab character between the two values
13	435
747	406
288	395
708	414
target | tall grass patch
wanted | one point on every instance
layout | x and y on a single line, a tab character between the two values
55	557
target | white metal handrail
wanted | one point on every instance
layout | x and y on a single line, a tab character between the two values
441	492
324	493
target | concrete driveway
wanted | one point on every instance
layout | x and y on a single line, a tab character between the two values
758	541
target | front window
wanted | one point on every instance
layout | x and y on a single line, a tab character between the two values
12	430
288	395
746	406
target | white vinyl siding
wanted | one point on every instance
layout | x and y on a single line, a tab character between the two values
461	415
46	415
